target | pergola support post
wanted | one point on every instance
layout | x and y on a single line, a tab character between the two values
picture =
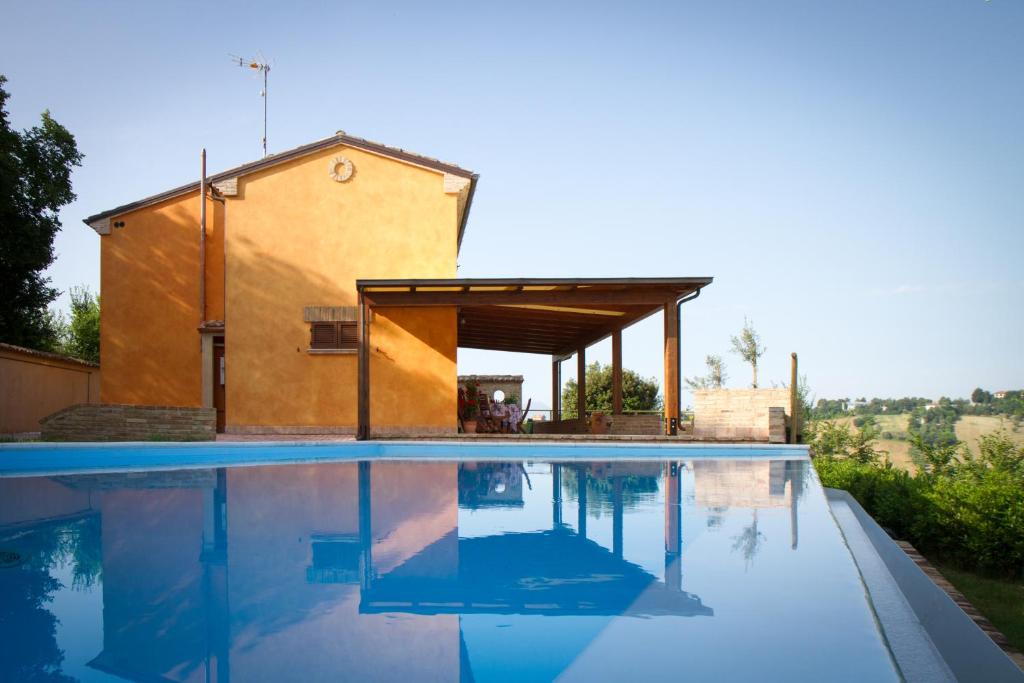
581	497
365	525
581	384
556	388
673	527
556	496
671	367
363	405
617	372
617	509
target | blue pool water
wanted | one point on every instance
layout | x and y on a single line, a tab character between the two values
370	562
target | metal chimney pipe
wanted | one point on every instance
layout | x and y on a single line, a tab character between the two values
202	239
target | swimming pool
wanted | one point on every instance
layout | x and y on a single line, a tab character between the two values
426	562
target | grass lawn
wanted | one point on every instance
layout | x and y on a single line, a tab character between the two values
1001	601
970	427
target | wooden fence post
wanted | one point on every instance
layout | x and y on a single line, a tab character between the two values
794	402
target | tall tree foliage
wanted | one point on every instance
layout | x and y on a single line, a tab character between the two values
979	395
82	339
35	182
748	346
638	393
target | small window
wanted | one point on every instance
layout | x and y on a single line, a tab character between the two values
333	336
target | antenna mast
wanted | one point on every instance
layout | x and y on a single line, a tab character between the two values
261	65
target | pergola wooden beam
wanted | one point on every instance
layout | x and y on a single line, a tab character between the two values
509	347
575	297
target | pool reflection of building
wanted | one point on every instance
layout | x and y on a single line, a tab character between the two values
751	484
273	573
555	571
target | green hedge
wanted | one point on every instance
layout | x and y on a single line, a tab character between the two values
968	511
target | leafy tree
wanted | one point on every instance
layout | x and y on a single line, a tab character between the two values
748	346
935	428
35	182
53	331
714	379
638	393
83	332
826	408
979	395
29	650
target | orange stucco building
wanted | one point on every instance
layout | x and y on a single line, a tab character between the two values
314	291
230	315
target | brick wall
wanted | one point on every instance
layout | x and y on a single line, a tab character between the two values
638	425
652	425
109	422
560	427
741	414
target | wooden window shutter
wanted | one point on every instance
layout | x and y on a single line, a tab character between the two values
323	336
334	335
348	336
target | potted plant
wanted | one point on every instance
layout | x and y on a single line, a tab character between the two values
470	409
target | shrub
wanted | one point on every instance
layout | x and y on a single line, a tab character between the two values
833	439
889	494
962	508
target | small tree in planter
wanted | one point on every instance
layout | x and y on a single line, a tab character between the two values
748	346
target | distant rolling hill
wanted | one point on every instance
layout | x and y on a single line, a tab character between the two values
968	429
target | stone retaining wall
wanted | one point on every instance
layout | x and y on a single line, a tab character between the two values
741	414
109	422
512	385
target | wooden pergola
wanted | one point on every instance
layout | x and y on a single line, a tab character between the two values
557	317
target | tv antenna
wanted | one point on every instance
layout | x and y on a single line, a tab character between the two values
261	65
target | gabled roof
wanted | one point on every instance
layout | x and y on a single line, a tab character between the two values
339	138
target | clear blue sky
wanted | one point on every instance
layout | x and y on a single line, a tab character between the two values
852	174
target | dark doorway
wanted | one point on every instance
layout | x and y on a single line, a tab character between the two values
219	378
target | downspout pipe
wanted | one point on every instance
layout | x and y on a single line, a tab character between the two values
679	341
202	238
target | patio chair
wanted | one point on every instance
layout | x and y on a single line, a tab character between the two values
503	416
487	422
522	417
